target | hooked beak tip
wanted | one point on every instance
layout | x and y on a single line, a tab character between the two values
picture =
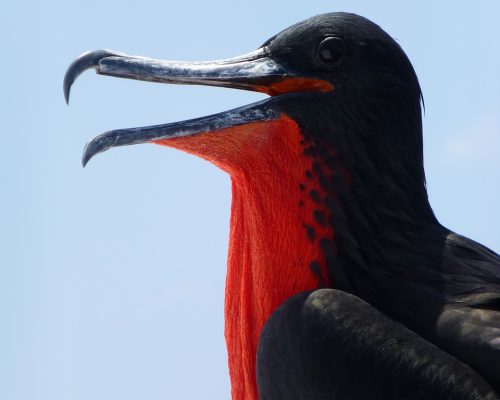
84	161
66	89
87	60
98	145
87	155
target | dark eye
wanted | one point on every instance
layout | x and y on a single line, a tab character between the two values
331	50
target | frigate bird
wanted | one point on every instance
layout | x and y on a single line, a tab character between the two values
341	282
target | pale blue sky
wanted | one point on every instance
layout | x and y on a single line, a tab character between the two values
112	276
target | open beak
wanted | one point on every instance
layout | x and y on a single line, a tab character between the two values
256	71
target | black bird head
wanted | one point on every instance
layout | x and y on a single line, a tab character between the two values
343	83
339	59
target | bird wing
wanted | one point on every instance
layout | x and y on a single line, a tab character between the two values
473	271
328	344
469	325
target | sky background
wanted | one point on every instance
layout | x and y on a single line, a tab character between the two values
112	276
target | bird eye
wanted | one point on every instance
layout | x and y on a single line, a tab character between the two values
331	50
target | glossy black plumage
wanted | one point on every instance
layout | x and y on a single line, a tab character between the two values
329	344
389	249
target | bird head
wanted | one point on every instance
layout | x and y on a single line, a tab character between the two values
337	67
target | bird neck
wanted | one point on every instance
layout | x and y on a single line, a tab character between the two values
273	247
382	214
280	230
